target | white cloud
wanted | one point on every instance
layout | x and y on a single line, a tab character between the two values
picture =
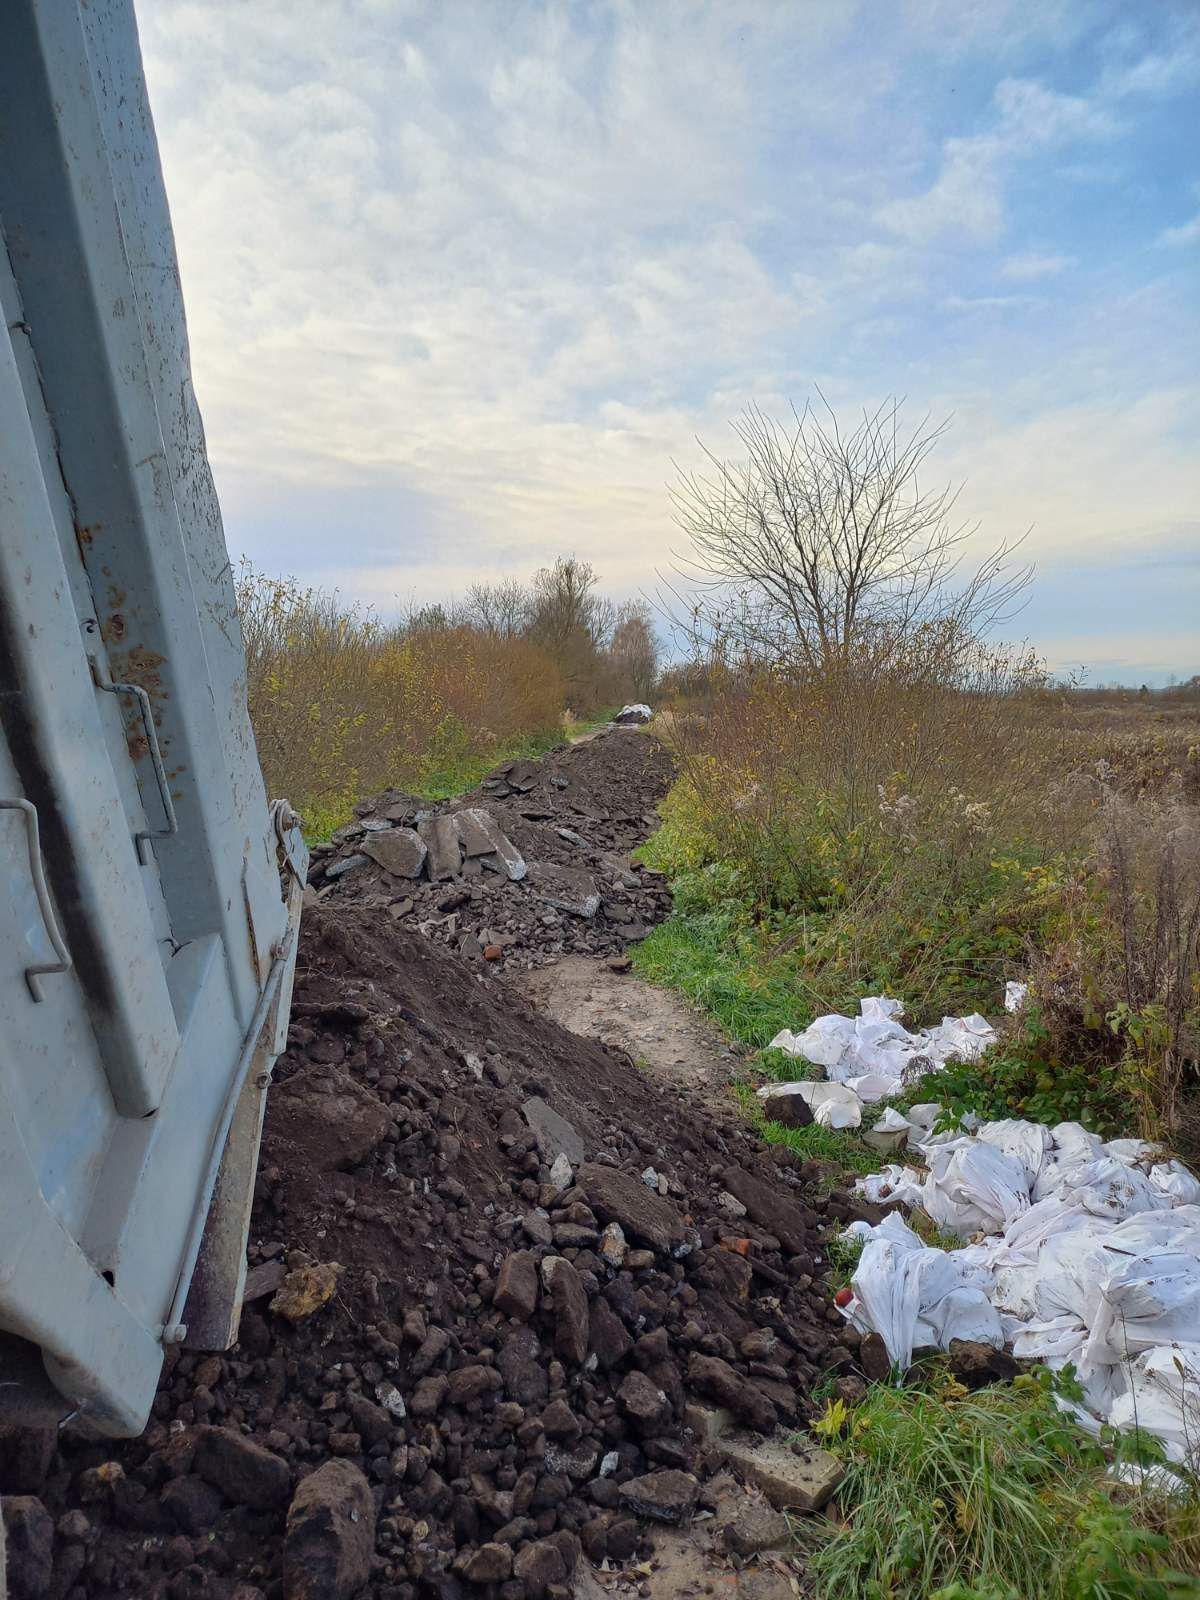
1185	233
1029	265
967	196
510	272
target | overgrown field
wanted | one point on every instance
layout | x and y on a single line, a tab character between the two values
830	838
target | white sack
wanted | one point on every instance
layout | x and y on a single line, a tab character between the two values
1145	1301
913	1296
904	1185
1108	1188
974	1188
1027	1142
1175	1183
833	1105
1164	1398
1015	995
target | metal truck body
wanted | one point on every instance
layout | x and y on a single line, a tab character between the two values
149	897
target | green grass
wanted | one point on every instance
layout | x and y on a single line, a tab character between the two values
986	1495
721	967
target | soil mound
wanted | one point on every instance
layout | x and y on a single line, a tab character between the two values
490	1261
532	865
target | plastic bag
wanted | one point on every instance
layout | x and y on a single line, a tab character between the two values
1164	1398
1108	1188
1015	995
1027	1142
1175	1183
903	1185
974	1188
912	1295
1145	1301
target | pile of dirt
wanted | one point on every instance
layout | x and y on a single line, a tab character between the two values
490	1263
542	867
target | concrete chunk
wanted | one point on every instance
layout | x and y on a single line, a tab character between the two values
790	1482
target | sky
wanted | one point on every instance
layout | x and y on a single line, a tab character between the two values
465	281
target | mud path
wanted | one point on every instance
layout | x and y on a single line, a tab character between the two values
657	1028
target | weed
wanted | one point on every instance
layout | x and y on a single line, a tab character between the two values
984	1494
842	1254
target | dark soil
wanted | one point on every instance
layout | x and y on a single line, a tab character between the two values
575	817
485	1382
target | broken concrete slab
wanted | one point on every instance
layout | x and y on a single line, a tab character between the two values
568	889
480	828
554	1134
400	851
616	1197
440	837
790	1481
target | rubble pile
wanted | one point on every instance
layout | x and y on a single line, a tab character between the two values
493	1269
532	865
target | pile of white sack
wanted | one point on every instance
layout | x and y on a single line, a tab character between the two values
873	1057
1084	1252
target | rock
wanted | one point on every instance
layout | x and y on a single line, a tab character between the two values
613	1247
440	837
608	1336
426	1399
873	1358
371	1422
731	1205
522	1366
616	1197
554	1134
350	1121
537	1227
754	1527
539	1566
400	851
466	1384
478	827
25	1456
338	869
192	1505
570	1309
517	1286
668	1496
851	1390
560	1173
305	1290
783	1102
770	1209
977	1364
568	889
716	1379
262	1281
30	1535
330	1536
491	1563
245	1473
643	1402
800	1479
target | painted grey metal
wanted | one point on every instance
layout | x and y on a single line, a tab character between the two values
132	1093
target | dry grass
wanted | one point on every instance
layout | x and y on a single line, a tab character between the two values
344	705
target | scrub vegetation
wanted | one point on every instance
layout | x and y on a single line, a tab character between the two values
876	797
345	704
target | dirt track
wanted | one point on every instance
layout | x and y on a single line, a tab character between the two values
492	1265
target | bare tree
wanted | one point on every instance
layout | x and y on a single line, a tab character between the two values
565	604
501	609
634	650
820	541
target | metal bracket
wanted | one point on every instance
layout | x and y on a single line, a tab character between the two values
142	840
34	974
286	822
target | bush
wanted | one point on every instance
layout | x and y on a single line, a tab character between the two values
344	706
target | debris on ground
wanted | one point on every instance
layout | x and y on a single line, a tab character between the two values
1082	1252
875	1056
532	865
503	1381
634	715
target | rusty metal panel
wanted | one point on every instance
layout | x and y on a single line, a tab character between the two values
148	895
